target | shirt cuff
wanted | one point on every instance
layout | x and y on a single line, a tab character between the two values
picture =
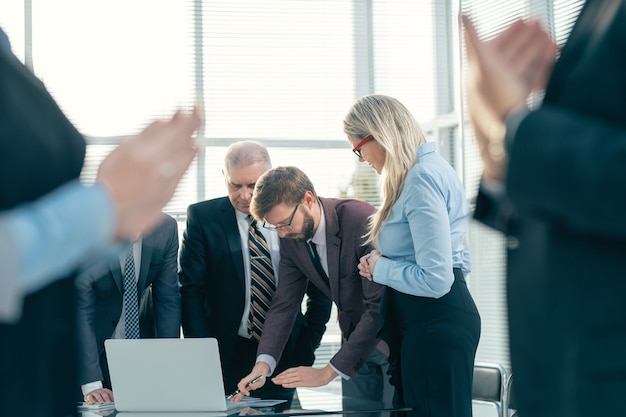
512	121
268	359
11	294
341	374
491	186
92	386
382	271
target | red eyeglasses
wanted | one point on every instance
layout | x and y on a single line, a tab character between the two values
357	148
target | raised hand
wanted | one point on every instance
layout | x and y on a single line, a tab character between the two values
502	73
142	173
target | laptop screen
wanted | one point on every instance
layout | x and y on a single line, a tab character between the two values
166	375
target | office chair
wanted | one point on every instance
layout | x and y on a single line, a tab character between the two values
512	408
489	393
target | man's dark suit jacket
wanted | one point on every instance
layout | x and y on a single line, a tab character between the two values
357	299
41	150
565	213
100	292
213	294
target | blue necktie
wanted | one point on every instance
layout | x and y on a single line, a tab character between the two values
263	282
131	306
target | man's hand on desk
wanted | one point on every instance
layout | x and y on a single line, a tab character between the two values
102	395
305	376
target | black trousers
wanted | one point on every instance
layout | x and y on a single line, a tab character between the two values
433	344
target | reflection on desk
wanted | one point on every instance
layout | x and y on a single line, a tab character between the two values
312	402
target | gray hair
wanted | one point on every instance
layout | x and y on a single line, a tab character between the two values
245	153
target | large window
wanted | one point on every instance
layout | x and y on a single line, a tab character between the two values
280	71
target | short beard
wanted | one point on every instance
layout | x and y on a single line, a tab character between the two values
308	229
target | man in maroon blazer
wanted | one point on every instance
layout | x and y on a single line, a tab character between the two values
321	242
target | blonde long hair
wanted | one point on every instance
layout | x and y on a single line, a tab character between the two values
396	130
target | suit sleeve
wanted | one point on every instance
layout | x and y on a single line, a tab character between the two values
165	288
88	359
362	341
192	275
578	174
494	209
286	302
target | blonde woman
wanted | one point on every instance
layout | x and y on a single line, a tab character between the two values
428	316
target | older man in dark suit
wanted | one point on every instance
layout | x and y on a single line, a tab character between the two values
104	304
216	276
321	243
555	182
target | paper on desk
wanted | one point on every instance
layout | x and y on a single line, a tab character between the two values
257	402
96	409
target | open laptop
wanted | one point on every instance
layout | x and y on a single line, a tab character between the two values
167	375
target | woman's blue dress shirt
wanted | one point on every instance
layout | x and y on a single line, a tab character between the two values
425	235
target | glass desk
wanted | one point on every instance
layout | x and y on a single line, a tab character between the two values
308	403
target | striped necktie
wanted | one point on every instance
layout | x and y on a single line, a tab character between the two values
262	283
131	306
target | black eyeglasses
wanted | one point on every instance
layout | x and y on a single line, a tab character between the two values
287	226
357	148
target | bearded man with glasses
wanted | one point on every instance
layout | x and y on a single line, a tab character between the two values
321	243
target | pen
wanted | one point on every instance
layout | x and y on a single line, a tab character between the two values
252	381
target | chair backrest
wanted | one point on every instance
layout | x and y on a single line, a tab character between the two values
489	393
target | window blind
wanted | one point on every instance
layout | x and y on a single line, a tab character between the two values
283	72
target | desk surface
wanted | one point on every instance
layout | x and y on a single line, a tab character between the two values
309	403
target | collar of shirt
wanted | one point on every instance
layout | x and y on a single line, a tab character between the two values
241	216
425	148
